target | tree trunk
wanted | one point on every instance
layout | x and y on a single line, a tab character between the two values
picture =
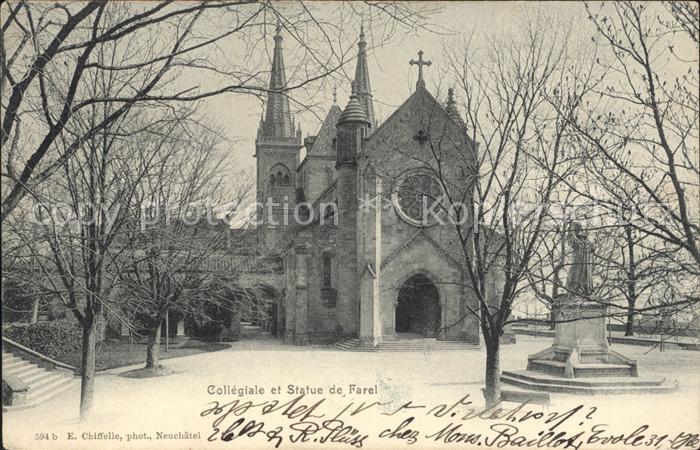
631	281
153	352
554	310
629	326
35	310
87	382
493	373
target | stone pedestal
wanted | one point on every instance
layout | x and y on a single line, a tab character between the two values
580	360
580	345
180	335
124	334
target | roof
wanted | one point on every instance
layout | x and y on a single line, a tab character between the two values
420	94
353	112
323	146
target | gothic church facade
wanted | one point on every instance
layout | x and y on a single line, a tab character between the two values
360	259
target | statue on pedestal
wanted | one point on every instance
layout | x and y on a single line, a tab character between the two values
580	280
580	360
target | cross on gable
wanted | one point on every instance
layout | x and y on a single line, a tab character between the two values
420	63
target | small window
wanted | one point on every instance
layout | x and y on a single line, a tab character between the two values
327	270
272	180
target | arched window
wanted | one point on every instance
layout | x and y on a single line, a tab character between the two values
327	271
280	175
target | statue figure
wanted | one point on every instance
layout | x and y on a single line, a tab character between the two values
579	280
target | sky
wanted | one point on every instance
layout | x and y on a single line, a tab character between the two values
392	78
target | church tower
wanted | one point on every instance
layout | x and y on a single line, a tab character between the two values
353	126
277	149
355	123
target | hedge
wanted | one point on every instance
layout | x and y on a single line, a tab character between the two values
53	338
207	330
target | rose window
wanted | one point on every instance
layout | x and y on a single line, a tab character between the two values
417	197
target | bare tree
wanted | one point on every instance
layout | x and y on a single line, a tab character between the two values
547	277
498	170
49	52
166	258
685	17
636	264
84	212
512	96
92	91
640	125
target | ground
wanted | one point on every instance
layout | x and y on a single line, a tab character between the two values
180	402
109	355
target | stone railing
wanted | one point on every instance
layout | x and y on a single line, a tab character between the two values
14	392
36	357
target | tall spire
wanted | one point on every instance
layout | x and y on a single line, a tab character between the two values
362	86
278	119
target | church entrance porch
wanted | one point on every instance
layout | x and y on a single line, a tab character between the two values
418	309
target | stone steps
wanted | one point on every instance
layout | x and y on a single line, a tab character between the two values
348	344
50	388
22	369
581	370
12	364
352	345
38	376
407	345
43	384
535	381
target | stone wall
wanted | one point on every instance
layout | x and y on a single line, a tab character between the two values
316	174
406	250
368	270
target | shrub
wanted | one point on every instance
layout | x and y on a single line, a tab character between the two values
53	339
207	330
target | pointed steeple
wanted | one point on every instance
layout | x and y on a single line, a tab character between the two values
278	119
362	86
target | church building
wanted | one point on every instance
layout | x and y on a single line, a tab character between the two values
363	256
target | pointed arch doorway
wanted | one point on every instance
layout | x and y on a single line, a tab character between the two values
418	312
